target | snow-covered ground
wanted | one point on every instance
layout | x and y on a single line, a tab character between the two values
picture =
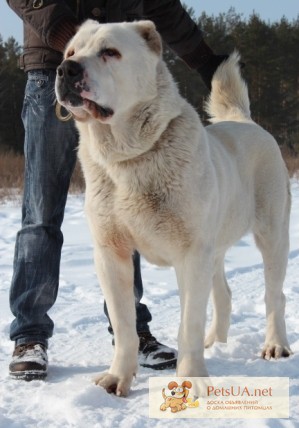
81	346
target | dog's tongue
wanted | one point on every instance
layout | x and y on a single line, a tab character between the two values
96	110
184	400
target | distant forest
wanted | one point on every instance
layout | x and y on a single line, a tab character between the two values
270	52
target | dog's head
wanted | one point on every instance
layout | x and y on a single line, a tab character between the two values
108	69
180	391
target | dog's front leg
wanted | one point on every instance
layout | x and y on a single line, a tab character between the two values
115	274
194	275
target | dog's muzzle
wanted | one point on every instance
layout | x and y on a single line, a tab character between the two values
70	82
70	85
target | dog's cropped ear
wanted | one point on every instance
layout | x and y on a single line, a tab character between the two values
148	32
172	385
187	384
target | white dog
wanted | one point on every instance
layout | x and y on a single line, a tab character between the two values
181	194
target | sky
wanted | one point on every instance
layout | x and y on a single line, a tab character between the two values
268	10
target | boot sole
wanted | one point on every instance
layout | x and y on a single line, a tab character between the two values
161	366
28	375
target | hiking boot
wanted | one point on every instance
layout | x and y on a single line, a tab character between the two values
29	362
154	355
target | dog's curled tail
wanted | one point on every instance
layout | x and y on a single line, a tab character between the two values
229	96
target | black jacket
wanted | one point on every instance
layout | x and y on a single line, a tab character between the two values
49	24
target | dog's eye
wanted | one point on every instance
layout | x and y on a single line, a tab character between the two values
70	53
109	53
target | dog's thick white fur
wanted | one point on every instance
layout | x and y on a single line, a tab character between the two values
180	193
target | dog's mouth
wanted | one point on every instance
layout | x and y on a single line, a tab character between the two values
72	102
96	110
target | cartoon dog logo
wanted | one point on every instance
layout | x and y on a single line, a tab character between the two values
178	400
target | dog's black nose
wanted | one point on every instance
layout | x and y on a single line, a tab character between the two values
70	70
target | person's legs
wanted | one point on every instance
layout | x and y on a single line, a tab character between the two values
50	156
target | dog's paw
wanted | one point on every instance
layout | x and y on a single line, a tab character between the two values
114	384
275	351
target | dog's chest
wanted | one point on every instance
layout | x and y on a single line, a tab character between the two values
157	229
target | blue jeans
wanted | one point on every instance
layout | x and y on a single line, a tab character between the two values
50	157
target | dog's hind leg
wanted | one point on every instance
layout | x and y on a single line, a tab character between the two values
221	295
272	238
